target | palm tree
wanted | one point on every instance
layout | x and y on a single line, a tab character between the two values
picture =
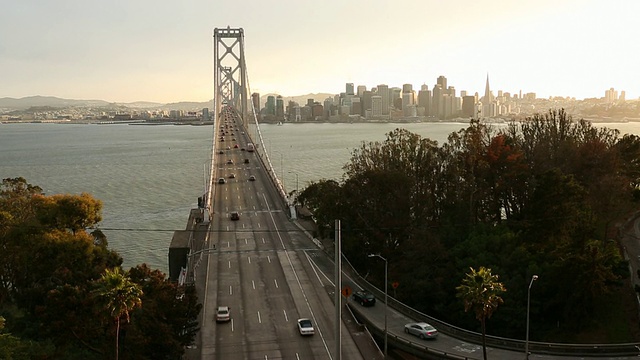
119	295
480	292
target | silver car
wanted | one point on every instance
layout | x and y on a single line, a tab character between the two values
305	327
421	330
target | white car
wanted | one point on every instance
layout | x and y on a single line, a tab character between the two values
223	314
421	330
305	327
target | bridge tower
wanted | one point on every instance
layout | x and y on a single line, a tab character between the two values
230	70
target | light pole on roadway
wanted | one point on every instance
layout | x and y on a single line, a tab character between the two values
296	174
526	342
386	305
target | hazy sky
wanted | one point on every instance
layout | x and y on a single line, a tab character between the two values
162	50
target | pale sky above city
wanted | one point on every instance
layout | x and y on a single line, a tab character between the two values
162	50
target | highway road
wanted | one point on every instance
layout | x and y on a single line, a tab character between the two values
257	266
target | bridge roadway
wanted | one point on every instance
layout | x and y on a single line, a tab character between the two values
257	266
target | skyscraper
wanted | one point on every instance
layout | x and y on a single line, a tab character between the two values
383	91
442	81
349	89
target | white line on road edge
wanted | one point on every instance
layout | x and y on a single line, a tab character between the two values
306	300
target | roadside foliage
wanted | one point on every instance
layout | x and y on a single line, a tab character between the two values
542	196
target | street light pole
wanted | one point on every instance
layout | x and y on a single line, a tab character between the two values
386	306
526	343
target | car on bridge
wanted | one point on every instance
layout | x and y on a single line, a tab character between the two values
223	314
222	181
235	215
364	298
252	178
246	161
305	327
232	176
421	330
229	162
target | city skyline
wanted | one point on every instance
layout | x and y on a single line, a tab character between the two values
162	51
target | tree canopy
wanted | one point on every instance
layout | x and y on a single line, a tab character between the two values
51	267
540	196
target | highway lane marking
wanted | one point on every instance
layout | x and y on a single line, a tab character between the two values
297	357
228	245
295	274
231	325
253	283
258	224
276	282
313	267
263	240
286	318
229	264
268	257
230	289
245	242
249	259
259	319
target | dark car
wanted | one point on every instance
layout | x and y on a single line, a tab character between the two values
364	298
246	161
230	162
235	215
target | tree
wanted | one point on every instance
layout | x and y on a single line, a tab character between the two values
480	291
119	295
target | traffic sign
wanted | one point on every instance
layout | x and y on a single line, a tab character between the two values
346	291
395	284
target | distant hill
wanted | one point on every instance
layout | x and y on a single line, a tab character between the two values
35	101
55	102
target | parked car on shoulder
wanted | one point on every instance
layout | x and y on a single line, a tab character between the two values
421	330
364	298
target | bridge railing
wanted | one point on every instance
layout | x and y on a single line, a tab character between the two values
261	150
561	349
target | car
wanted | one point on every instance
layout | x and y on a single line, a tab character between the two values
221	152
230	162
246	161
364	298
235	215
222	181
232	176
252	178
228	147
235	146
223	314
222	139
234	139
305	327
243	149
421	330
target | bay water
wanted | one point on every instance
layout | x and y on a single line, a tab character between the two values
149	177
